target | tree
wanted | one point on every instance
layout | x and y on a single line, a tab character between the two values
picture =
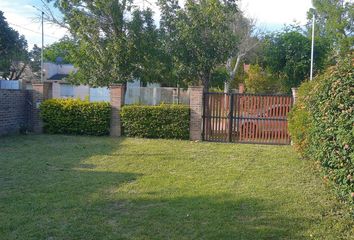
13	51
244	28
334	23
259	80
287	55
115	41
63	49
200	37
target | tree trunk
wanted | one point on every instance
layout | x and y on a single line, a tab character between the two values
226	86
21	71
232	72
12	75
206	81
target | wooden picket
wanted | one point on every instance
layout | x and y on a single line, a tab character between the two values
246	118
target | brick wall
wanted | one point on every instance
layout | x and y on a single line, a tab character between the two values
117	100
14	111
196	115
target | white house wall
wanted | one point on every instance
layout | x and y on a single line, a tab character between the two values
82	92
65	68
56	90
51	69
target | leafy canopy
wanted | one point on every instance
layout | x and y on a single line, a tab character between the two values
114	41
334	23
287	54
198	36
13	49
62	49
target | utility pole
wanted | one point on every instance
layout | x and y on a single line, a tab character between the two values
42	48
312	45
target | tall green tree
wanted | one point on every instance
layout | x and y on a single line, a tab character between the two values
13	51
34	62
115	41
201	38
244	28
334	23
287	54
62	49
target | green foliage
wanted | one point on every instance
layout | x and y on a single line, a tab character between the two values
299	118
163	121
218	77
260	81
328	134
287	54
72	116
111	47
334	23
64	48
13	49
84	187
198	36
35	59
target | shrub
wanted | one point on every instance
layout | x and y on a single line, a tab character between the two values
300	118
163	121
328	132
72	116
259	80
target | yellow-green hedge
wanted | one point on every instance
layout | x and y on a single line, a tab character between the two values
163	121
72	116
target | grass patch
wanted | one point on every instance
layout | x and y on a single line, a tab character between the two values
66	187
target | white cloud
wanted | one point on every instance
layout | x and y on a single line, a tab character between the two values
270	14
24	19
276	12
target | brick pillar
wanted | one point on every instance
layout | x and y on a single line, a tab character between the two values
117	101
196	115
294	93
241	88
41	92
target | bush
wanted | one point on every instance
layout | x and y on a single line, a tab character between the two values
163	121
72	116
299	118
259	80
328	131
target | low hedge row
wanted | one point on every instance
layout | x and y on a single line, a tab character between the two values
322	124
163	121
72	116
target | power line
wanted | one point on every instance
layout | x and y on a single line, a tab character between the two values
50	36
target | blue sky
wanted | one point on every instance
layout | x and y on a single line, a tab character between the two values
270	15
23	17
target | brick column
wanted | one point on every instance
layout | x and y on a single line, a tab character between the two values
241	88
196	115
117	101
40	93
294	93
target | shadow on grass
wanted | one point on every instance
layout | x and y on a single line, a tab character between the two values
204	217
49	191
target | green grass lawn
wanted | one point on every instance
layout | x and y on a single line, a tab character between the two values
64	187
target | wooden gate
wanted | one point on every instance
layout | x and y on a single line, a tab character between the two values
246	118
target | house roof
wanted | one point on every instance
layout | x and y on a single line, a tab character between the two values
58	77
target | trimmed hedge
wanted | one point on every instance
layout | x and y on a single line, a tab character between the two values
72	116
322	124
163	121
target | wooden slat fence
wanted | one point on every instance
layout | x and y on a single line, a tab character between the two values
246	118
